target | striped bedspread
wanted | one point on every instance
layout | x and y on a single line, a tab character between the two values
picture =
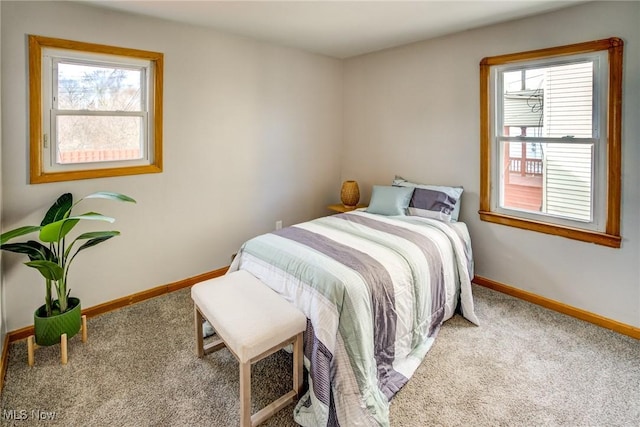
375	290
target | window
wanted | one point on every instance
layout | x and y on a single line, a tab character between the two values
550	140
95	110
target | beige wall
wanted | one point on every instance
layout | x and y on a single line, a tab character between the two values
252	135
414	111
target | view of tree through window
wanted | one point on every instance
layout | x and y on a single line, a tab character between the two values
92	120
95	111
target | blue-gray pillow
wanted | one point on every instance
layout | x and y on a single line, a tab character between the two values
389	200
433	201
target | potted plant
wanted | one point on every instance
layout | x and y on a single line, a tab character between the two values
52	256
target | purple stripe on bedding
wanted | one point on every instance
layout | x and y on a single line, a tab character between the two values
436	322
378	280
426	245
320	361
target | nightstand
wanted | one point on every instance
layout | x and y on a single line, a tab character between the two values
340	208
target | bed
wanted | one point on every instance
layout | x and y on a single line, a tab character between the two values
375	290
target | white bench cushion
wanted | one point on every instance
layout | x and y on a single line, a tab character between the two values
250	317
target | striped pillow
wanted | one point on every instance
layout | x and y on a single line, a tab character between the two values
433	201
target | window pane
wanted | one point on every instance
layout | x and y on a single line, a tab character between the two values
548	178
85	139
523	101
555	101
98	88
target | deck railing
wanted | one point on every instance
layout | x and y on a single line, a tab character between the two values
531	166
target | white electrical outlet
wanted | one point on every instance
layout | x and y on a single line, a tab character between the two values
278	225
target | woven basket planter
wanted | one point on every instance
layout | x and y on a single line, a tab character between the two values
350	194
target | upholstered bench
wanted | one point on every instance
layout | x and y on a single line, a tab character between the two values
253	322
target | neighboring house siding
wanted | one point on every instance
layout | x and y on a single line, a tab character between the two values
567	180
567	104
567	184
520	108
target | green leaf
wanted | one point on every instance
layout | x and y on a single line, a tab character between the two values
111	196
97	240
35	250
50	270
56	231
99	236
17	233
94	234
59	210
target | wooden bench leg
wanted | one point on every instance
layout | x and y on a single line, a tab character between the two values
292	395
198	329
245	394
202	349
298	365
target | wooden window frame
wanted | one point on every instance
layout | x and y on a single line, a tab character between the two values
611	235
38	175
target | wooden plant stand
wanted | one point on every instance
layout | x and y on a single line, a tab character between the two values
32	346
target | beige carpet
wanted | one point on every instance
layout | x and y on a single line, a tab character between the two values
525	366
